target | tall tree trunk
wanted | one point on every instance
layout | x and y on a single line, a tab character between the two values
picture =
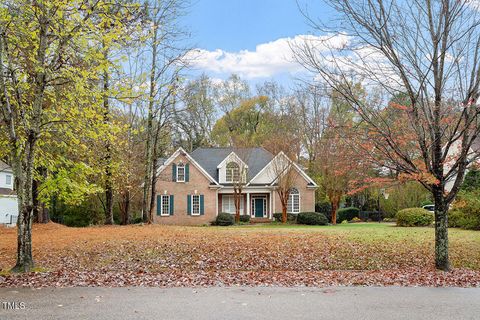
24	224
146	210
23	167
284	213
40	211
125	207
441	231
108	152
153	190
237	196
45	213
36	210
335	205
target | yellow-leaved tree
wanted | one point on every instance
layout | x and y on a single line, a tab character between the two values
49	76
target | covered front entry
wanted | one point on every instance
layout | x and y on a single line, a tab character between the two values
259	206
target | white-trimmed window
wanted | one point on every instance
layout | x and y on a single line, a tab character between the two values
180	172
293	205
232	173
165	205
195	205
228	203
8	179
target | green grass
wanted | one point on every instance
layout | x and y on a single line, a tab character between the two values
464	244
340	226
370	232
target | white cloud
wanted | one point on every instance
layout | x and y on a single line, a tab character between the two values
267	60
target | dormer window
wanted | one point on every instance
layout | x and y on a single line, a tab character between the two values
232	172
180	172
8	179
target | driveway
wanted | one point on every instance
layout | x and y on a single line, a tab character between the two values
241	303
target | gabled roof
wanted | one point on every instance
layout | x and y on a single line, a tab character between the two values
4	167
209	158
181	151
232	157
295	165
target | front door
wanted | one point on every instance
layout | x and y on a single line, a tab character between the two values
259	207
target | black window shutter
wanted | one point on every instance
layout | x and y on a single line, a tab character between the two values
202	206
159	205
174	172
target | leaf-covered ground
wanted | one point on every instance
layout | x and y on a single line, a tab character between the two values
354	254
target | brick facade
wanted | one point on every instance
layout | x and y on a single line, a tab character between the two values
199	184
180	190
307	196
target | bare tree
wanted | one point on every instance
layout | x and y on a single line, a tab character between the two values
167	59
286	175
238	170
426	50
313	102
195	116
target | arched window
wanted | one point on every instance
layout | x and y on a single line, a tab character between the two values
293	205
232	172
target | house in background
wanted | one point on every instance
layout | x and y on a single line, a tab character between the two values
193	188
473	158
8	197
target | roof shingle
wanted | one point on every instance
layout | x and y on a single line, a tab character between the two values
210	158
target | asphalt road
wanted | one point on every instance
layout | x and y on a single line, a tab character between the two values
241	303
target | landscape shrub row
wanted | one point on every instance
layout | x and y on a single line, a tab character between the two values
347	214
465	211
312	218
307	218
414	217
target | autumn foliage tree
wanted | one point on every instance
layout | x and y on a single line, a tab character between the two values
48	72
286	174
426	51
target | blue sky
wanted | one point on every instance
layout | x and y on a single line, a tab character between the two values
235	25
249	37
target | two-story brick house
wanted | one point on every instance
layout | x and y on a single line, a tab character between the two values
193	188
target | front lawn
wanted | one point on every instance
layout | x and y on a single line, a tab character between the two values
271	254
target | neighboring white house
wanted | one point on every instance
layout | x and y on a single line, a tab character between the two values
8	197
473	157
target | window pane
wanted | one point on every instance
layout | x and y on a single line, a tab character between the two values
232	173
228	204
195	204
289	204
181	173
166	205
8	179
228	176
293	205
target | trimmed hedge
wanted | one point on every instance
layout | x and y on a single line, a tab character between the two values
312	218
244	218
347	214
465	211
291	217
224	219
414	217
